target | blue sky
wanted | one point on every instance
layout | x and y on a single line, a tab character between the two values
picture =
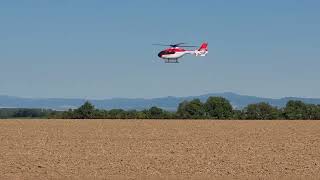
102	49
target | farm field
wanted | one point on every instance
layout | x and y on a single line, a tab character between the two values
159	149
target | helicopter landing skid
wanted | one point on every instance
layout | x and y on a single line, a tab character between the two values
171	61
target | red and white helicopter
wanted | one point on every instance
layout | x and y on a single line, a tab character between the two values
172	54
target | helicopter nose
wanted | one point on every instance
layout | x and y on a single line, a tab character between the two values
160	54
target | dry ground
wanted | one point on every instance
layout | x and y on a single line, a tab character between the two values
171	149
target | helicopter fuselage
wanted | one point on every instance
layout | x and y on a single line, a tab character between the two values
173	53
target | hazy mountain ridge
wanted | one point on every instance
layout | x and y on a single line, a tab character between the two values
168	103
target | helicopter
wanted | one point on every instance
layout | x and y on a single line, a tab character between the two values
176	51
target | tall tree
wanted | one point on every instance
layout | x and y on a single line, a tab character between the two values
218	108
181	112
156	113
295	110
261	111
192	110
86	111
313	111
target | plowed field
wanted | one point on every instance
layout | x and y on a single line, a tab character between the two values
159	149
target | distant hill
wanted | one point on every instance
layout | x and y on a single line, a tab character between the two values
168	103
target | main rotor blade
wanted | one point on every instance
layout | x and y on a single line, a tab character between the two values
187	46
178	44
161	44
173	45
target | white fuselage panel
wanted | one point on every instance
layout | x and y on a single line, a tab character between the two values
176	55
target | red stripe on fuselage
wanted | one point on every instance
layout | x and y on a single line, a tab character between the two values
174	50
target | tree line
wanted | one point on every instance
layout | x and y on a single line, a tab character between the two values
213	108
6	113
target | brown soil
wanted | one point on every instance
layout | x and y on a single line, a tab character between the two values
170	149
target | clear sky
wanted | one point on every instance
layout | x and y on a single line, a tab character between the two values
102	49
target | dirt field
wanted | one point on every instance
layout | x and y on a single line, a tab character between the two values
171	149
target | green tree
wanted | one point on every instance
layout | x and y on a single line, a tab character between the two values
117	114
100	114
295	110
156	113
181	112
218	108
132	114
313	111
142	114
86	111
238	114
191	110
261	111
